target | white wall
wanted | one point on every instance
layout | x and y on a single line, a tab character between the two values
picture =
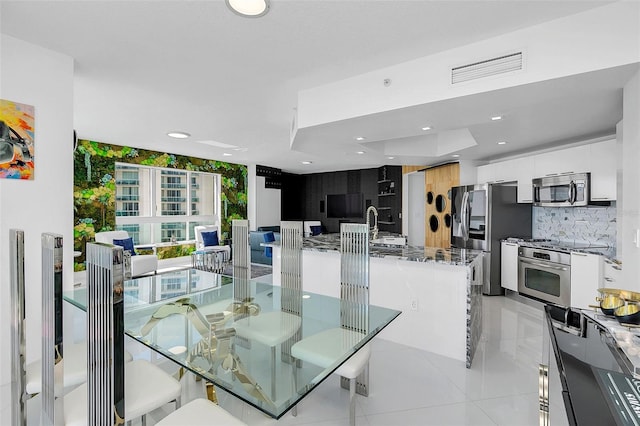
263	204
596	39
252	201
268	209
630	210
36	76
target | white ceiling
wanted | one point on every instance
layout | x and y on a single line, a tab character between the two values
143	68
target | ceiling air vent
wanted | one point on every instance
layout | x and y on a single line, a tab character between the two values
500	65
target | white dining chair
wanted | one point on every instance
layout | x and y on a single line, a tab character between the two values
325	348
74	367
146	388
269	329
200	412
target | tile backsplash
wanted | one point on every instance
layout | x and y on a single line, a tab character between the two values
592	224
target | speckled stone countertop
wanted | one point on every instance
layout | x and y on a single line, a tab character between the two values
452	256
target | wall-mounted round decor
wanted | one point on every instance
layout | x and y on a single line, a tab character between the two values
434	223
441	203
429	197
447	220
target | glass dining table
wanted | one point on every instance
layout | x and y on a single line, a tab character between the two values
237	333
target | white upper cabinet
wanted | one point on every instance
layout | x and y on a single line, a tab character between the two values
603	170
563	161
599	159
524	172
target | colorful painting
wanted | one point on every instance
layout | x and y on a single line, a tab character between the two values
17	124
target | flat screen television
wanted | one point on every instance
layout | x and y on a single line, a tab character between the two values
344	205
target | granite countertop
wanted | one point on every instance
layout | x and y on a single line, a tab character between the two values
451	256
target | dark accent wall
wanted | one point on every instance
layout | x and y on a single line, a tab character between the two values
304	196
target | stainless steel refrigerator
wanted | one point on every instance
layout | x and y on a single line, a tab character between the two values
482	216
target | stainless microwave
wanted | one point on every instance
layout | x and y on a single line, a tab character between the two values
570	190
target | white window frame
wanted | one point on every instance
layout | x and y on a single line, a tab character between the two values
156	219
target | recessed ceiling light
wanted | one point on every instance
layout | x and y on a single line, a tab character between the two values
456	155
502	143
360	152
226	154
426	128
390	158
178	135
306	296
496	117
360	138
307	162
249	8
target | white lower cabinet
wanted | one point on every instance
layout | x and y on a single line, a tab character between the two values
509	266
612	274
586	278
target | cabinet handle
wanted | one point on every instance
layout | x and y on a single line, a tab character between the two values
600	198
531	200
511	244
579	254
609	280
551	174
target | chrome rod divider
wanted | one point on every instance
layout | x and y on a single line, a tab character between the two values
105	334
52	341
241	259
291	277
18	373
354	288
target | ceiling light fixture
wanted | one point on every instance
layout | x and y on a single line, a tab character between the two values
249	8
178	135
496	118
360	138
426	128
390	158
307	162
226	154
456	155
360	152
502	143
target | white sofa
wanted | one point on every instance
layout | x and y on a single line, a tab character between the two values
200	243
141	263
308	224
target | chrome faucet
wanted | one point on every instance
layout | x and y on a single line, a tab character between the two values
375	221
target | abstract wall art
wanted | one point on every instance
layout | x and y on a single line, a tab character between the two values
17	130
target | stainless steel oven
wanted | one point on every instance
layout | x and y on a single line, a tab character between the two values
545	274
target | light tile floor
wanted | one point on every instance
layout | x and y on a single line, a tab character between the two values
413	387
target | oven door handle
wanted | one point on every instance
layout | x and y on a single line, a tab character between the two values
542	265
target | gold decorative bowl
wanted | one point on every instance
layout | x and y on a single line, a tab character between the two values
628	314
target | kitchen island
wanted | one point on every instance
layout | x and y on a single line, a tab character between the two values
439	291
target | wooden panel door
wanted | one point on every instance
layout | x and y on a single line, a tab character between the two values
438	182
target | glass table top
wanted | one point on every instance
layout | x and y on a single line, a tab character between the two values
238	333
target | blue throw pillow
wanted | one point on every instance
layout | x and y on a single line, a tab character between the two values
210	238
269	237
126	244
316	230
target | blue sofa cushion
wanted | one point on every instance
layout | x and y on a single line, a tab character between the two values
316	230
268	238
126	244
210	238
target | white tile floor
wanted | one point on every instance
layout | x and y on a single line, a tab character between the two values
413	387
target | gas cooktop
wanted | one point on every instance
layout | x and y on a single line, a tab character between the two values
563	246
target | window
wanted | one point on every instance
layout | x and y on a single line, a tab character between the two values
159	205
